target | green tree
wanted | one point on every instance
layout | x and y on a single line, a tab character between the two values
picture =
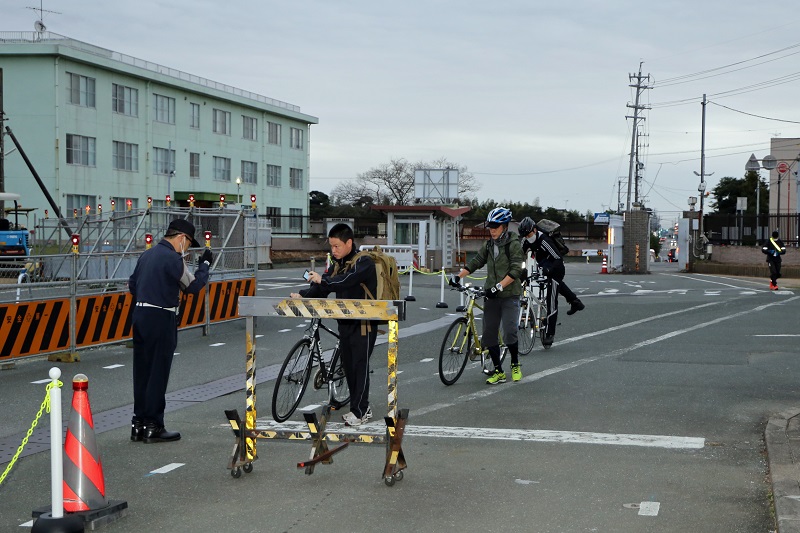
318	204
729	189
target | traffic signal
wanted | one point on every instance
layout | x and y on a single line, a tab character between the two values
208	239
149	202
169	199
76	241
75	213
148	240
221	201
130	204
99	209
191	200
253	201
113	205
88	209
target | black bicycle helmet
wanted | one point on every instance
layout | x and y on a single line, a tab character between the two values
526	226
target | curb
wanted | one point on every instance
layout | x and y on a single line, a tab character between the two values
781	435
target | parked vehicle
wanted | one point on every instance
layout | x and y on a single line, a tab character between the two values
13	237
672	255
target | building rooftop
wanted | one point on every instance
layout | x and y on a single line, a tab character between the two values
50	39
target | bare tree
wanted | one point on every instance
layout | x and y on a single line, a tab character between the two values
393	183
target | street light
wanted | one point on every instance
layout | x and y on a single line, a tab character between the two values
238	187
768	163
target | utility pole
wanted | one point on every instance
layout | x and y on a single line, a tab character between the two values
632	171
2	148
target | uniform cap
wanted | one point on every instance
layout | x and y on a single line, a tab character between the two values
184	226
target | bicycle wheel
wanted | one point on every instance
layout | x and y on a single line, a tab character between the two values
526	336
541	323
338	391
455	350
292	380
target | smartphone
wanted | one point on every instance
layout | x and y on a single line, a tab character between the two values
306	275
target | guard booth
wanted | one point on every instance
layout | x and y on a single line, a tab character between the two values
316	429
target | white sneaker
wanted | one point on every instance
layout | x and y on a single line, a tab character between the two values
352	420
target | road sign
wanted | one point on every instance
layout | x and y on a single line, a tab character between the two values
783	167
601	218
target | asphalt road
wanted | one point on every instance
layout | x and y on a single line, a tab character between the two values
646	415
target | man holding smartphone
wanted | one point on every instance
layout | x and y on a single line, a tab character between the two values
349	280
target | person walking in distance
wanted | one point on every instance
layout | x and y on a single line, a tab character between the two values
545	252
349	279
502	255
774	249
156	283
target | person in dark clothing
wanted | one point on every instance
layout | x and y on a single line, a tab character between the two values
774	249
502	256
349	280
156	283
545	252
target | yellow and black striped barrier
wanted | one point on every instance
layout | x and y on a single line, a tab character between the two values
246	433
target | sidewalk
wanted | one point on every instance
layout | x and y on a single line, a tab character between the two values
782	437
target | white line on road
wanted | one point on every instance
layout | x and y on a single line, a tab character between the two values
216	344
41	381
167	468
111	367
779	335
649	508
426	360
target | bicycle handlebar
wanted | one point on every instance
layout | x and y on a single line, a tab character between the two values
472	292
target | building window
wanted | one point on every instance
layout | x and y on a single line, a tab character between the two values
81	150
124	100
249	172
163	161
296	178
165	109
250	128
125	156
296	138
80	90
222	122
194	164
295	218
194	113
273	175
273	133
222	168
79	202
274	215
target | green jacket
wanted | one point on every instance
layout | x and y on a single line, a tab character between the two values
503	257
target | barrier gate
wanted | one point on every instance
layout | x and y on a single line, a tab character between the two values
246	433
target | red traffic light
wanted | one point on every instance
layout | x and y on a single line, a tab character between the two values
76	239
208	235
191	197
253	198
169	198
113	203
221	197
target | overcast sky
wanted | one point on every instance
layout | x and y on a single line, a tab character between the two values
529	95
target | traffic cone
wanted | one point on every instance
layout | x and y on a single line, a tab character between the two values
84	483
604	270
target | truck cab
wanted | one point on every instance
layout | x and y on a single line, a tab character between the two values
13	237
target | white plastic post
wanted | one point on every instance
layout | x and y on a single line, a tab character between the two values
410	297
56	449
442	304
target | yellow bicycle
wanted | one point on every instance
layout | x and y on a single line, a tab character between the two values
462	341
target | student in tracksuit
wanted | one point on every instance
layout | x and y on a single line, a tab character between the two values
357	337
774	249
157	281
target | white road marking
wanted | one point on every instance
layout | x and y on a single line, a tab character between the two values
300	326
167	468
524	481
424	308
522	435
426	360
41	381
177	353
310	407
649	508
765	335
709	292
216	344
29	523
259	336
609	291
111	367
283	330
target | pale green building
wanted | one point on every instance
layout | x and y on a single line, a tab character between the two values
99	126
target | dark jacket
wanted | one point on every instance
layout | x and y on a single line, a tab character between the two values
346	281
160	275
774	249
502	258
544	250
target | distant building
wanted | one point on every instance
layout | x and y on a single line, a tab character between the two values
100	126
783	186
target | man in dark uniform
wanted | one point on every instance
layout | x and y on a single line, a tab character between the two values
157	281
545	252
774	249
349	280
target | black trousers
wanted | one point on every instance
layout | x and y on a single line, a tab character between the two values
155	336
355	349
554	288
774	265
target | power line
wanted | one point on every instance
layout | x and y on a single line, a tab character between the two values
757	116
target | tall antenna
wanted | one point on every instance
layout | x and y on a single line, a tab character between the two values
39	24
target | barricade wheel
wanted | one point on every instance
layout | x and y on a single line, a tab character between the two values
236	472
247	467
398	476
389	480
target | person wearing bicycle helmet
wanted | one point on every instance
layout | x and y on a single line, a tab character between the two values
545	251
502	256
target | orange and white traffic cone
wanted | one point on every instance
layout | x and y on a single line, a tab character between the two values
604	270
84	483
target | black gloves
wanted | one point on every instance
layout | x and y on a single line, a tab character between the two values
454	280
545	272
206	257
495	291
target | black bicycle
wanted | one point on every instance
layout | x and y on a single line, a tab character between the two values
296	371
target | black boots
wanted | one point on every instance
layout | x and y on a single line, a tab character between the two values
137	430
154	433
575	306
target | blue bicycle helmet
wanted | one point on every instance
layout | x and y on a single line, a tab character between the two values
499	215
526	226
